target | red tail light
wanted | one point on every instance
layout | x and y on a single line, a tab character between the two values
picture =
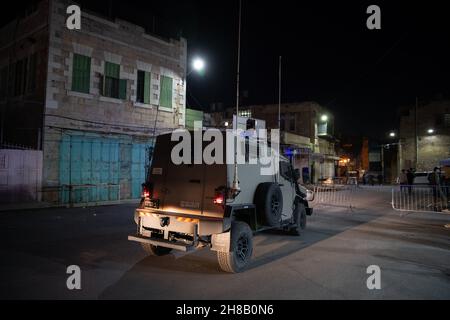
219	199
146	192
220	196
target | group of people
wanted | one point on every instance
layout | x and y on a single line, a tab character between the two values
436	177
406	178
438	182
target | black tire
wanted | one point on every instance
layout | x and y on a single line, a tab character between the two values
299	219
269	203
152	250
241	249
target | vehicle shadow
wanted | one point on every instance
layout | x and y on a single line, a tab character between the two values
269	246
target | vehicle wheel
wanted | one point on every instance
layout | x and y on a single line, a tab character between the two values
299	219
241	249
269	203
152	250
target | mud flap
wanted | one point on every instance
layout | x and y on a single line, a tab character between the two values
221	242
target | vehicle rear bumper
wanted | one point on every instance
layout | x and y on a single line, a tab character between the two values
163	243
180	222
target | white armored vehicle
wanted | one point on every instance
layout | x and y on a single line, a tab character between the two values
190	206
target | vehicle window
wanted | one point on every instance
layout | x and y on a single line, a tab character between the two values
285	170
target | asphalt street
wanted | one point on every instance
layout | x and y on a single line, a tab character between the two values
328	261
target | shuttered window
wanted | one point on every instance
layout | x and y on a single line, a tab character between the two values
122	89
112	85
81	73
3	82
147	88
31	80
20	77
112	70
143	87
165	99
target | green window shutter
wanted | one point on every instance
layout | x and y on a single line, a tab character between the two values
81	73
112	70
147	88
122	89
166	92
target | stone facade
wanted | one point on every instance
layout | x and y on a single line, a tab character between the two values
305	138
432	146
91	114
22	101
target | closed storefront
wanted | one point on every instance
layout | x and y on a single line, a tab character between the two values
94	168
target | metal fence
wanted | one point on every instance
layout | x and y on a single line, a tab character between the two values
339	195
421	198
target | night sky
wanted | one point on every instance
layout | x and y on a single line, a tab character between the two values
329	55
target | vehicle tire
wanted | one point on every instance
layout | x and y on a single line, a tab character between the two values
299	219
269	203
152	250
241	249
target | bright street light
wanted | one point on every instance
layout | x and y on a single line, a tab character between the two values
430	131
392	134
324	118
198	64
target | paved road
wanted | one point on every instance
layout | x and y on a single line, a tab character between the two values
328	261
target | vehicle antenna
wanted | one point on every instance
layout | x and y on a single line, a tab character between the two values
279	105
235	187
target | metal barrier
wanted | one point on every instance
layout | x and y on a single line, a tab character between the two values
334	195
420	198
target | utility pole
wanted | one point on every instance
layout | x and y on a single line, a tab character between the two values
279	107
415	133
382	160
279	94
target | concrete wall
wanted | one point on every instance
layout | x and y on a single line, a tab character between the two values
431	147
20	175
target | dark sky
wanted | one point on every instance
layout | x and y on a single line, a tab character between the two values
329	55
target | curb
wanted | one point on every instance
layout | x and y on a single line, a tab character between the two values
43	205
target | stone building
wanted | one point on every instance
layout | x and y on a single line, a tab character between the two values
91	99
432	124
307	134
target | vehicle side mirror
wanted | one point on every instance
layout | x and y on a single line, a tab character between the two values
296	174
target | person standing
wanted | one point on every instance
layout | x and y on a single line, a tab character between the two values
403	180
410	179
434	180
380	179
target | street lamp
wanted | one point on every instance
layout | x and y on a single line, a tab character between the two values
392	134
324	118
198	64
430	131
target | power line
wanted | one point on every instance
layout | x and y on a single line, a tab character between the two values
101	123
